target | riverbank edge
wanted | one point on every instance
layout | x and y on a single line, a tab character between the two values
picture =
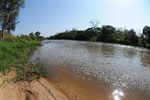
23	80
41	89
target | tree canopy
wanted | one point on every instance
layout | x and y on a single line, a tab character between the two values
108	33
146	32
9	12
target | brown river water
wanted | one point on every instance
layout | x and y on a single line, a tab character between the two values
96	71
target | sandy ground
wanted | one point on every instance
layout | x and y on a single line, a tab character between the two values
35	90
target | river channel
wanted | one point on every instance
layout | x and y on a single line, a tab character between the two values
95	70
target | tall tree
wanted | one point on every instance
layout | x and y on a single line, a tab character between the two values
37	34
146	32
9	12
94	24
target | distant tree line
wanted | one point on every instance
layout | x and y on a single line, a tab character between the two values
108	33
33	36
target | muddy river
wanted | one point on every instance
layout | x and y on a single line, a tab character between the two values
96	71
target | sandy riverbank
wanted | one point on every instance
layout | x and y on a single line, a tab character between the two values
35	90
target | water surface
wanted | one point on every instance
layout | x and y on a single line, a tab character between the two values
97	71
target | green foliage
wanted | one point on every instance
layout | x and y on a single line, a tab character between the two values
93	39
130	37
37	34
108	33
9	12
14	50
14	53
119	36
146	33
88	34
91	33
32	36
80	35
65	35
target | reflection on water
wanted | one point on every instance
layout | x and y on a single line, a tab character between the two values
117	94
145	58
130	52
108	50
88	71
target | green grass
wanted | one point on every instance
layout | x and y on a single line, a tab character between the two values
14	53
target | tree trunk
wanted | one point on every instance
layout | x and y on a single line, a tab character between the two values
2	33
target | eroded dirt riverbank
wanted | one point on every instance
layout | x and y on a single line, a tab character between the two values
35	90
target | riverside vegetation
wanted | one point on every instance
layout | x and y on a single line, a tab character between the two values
14	54
15	50
108	33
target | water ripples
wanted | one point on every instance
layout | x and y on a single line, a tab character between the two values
121	66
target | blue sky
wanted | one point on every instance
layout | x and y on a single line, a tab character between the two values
53	16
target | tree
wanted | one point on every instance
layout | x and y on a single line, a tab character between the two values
93	32
90	34
119	36
32	36
146	32
130	37
9	12
37	34
107	34
134	39
94	24
142	41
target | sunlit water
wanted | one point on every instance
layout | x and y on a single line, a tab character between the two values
97	71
